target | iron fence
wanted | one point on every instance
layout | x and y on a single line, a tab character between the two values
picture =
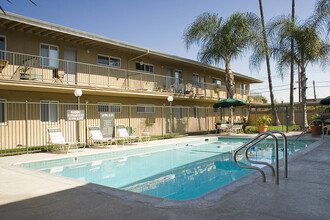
23	125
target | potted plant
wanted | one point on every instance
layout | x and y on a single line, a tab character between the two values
316	127
24	72
263	123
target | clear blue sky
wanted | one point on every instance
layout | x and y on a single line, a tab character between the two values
159	25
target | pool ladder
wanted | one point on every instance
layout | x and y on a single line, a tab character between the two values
257	139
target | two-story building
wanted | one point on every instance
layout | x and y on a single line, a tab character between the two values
42	64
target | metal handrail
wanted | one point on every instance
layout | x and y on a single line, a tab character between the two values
258	139
303	132
285	156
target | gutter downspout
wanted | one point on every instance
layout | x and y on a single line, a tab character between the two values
134	58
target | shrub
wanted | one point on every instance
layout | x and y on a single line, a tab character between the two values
251	129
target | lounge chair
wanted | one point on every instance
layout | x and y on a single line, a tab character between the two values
145	136
237	128
3	65
56	139
97	139
222	127
123	134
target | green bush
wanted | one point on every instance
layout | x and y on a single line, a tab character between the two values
251	129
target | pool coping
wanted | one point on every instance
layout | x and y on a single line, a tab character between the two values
203	201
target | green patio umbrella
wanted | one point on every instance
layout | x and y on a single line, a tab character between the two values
325	101
228	103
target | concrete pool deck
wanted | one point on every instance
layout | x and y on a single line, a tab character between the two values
30	194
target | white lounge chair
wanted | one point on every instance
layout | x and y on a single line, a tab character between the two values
237	128
57	140
97	139
122	134
222	127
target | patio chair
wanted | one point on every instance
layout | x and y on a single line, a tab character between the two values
56	139
237	128
145	136
326	126
123	135
222	127
3	65
97	139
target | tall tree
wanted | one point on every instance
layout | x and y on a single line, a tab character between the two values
261	53
3	11
291	109
221	40
321	16
309	47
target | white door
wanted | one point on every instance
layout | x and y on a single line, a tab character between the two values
70	66
202	78
169	78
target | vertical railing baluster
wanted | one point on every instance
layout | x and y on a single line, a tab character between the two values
26	126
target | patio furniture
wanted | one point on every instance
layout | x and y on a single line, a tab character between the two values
122	134
222	127
145	136
326	126
3	65
238	128
97	139
57	140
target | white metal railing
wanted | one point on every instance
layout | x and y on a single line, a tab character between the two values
21	66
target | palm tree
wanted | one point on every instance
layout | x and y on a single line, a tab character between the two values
308	48
221	40
10	2
261	53
291	109
321	16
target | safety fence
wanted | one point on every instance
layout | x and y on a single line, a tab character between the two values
24	125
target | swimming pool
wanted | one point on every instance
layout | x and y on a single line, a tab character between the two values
177	171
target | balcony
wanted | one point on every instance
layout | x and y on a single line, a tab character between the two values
31	69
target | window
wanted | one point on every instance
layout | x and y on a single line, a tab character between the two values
179	112
49	111
109	107
217	82
109	61
243	89
178	77
196	112
3	112
145	108
51	55
144	67
195	79
2	48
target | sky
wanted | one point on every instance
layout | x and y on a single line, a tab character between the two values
159	25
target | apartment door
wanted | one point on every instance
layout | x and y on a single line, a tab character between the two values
169	82
202	80
70	66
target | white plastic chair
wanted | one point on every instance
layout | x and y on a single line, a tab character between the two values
123	134
57	140
97	138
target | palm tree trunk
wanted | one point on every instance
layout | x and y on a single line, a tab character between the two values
271	94
303	96
229	81
229	77
291	110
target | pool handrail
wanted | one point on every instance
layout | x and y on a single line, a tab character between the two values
256	140
285	156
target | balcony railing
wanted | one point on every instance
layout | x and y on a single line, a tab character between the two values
19	66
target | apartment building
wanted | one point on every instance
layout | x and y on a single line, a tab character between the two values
42	64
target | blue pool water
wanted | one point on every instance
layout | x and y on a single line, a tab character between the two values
177	171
